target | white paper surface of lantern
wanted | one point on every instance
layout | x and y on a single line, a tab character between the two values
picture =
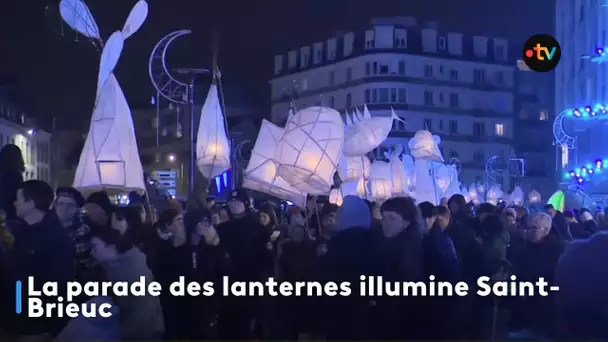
212	147
534	197
354	188
443	178
110	158
517	196
473	195
260	174
353	168
380	181
424	146
494	194
335	197
362	135
308	153
398	176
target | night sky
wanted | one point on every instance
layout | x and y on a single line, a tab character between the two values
57	76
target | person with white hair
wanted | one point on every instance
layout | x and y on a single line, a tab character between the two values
537	259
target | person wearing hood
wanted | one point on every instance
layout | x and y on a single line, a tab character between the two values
141	316
582	301
42	250
246	242
348	257
537	259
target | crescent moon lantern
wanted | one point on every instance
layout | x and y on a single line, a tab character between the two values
162	80
561	137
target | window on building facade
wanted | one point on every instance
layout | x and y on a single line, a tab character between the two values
442	43
383	95
401	68
349	100
349	74
454	75
441	125
428	98
402	95
428	124
479	157
332	102
453	154
500	53
332	77
393	95
441	100
374	95
375	68
368	69
428	71
454	100
368	96
500	78
383	69
499	129
479	129
544	115
479	76
453	127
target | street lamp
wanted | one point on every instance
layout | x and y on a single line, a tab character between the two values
32	131
171	158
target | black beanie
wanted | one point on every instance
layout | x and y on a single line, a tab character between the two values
101	199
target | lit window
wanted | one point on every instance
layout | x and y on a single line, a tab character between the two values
544	115
500	129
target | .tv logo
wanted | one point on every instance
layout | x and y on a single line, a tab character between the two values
542	53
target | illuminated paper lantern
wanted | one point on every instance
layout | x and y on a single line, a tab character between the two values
410	173
261	172
110	158
308	153
534	197
353	168
335	197
494	194
364	134
443	178
517	196
425	146
212	147
380	181
354	188
398	176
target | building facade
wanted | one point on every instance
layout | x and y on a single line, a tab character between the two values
534	167
17	128
459	87
581	28
163	138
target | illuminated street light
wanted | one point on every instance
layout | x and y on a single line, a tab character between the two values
32	131
171	158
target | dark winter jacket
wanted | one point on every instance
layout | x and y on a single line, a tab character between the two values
440	257
46	252
467	248
560	227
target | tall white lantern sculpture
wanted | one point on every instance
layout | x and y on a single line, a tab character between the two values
109	158
364	133
308	153
212	147
398	175
494	194
425	150
517	196
380	181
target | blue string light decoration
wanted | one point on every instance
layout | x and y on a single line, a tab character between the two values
588	112
582	174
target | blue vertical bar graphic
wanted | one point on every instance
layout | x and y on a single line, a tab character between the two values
18	297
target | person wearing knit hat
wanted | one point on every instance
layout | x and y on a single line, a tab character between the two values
71	192
98	209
